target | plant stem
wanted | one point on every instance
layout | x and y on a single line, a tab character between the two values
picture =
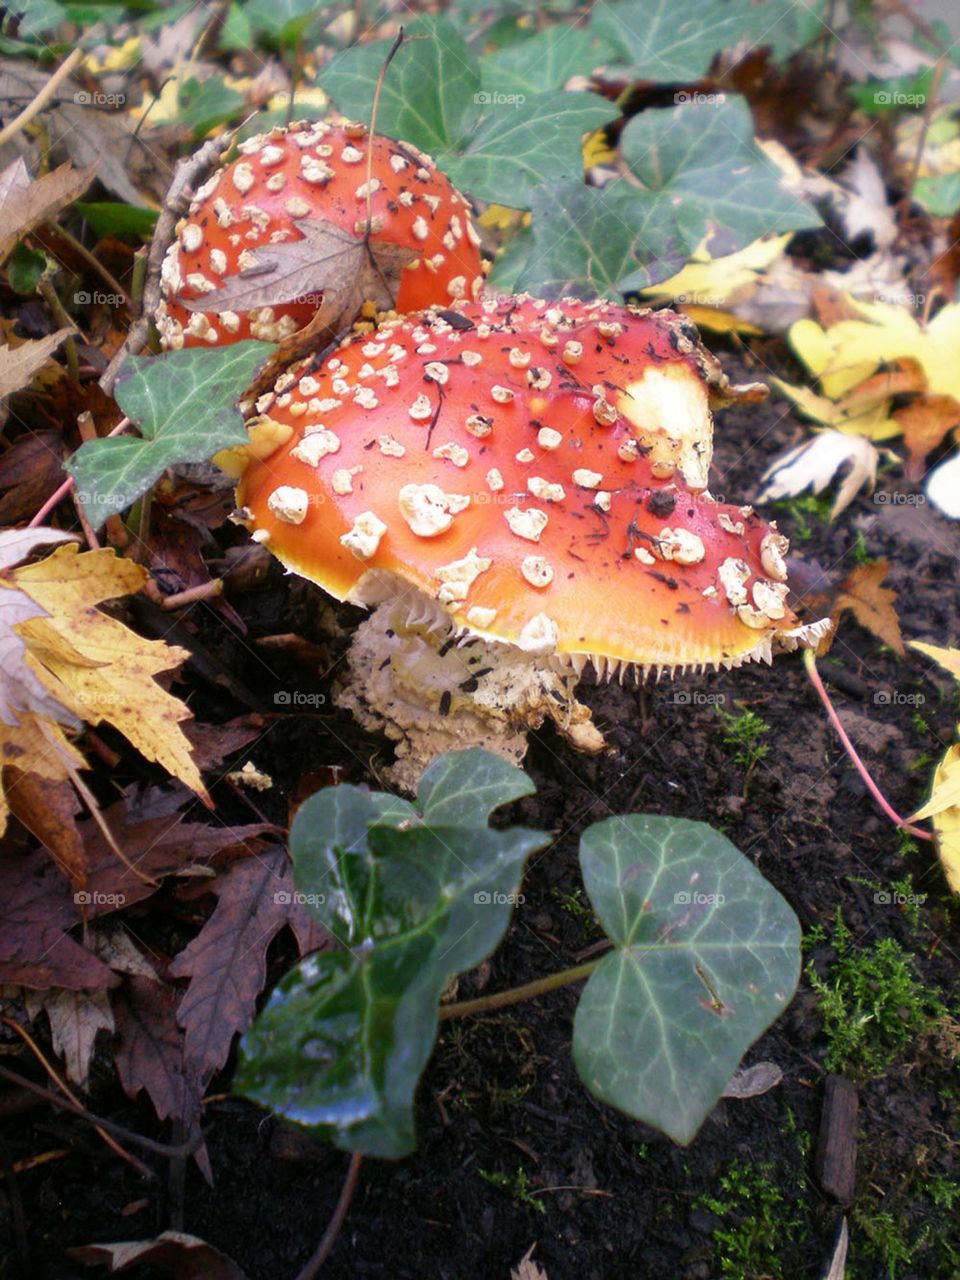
530	991
810	662
325	1247
43	97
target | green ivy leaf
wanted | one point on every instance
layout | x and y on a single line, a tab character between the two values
588	243
707	955
545	61
670	44
939	194
201	106
184	404
25	268
701	159
109	217
282	19
494	145
415	894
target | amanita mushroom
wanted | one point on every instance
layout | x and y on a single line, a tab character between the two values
281	230
520	487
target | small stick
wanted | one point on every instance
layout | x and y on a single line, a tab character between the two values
394	49
37	1053
81	250
204	591
42	98
810	662
925	128
67	485
49	295
325	1247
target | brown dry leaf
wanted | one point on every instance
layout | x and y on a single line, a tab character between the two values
48	810
174	1254
24	207
751	1082
328	261
925	422
150	1052
527	1269
19	364
30	470
93	666
75	1019
870	603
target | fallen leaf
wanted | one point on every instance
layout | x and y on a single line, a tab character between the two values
949	659
815	463
328	260
48	811
149	1055
75	1019
924	423
174	1254
226	961
89	666
943	808
26	206
527	1269
19	364
115	947
870	603
30	471
751	1082
714	282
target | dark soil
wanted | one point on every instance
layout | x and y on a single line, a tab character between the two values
501	1094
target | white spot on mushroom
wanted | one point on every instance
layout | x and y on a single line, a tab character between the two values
537	571
297	207
539	378
368	188
316	172
773	547
527	524
218	261
519	359
539	635
752	617
502	395
681	546
769	597
421	410
454	453
733	575
458	576
191	237
602	500
525	455
494	480
276	182
549	439
389	447
572	352
197	281
260	535
728	525
243	178
420	228
271	155
644	556
316	445
364	537
436	372
545	490
609	329
480	617
471	358
398	163
428	510
583	478
478	425
350	155
342	480
365	397
604	412
308	385
289	504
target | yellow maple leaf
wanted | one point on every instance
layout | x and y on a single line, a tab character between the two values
712	282
66	662
943	808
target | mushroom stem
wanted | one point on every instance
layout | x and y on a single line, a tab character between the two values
810	663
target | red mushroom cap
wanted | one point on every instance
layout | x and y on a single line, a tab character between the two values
540	469
313	170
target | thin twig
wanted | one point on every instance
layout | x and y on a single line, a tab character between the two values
42	98
203	591
325	1247
810	662
81	250
925	127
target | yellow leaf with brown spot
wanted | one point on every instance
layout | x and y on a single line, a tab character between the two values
870	603
36	745
95	667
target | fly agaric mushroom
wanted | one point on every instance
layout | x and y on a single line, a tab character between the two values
520	487
280	232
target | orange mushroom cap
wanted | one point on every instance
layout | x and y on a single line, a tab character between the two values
314	170
538	468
